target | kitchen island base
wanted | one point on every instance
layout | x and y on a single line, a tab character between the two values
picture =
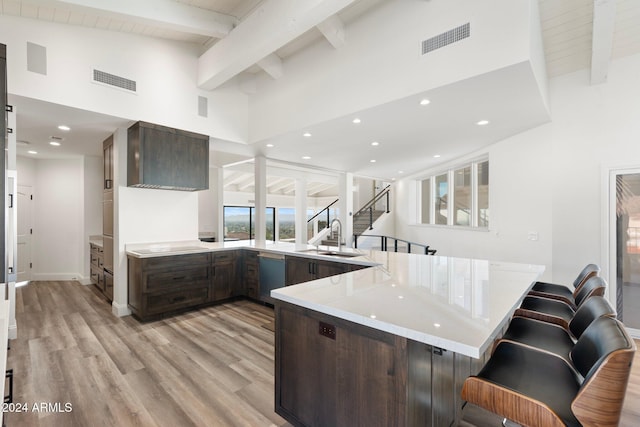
330	371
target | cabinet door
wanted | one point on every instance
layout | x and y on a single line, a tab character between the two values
107	151
305	369
224	275
330	268
299	270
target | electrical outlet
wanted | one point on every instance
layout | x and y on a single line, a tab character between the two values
327	330
532	235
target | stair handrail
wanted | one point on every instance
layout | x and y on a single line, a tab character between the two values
320	212
384	243
377	197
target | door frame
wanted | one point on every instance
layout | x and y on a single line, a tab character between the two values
609	232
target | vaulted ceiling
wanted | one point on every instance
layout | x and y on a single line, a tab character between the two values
577	34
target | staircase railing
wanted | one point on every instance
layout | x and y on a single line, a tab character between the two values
323	210
384	244
368	207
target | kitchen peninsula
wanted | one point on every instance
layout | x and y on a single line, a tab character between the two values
391	345
386	345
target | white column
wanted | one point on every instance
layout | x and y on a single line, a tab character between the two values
345	207
260	178
301	211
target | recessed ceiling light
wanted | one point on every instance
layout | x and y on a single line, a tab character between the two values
65	128
54	143
401	172
375	143
437	325
306	157
372	161
483	122
356	120
306	134
436	156
32	152
373	316
269	145
424	102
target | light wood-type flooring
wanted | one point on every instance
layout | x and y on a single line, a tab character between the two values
210	367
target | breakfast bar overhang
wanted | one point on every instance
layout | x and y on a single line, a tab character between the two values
391	344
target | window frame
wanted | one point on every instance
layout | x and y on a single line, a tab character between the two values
450	173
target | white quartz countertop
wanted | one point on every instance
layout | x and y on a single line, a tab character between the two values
457	304
147	250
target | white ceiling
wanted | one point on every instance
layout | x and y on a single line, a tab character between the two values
409	135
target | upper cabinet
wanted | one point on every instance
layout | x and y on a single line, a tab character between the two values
166	158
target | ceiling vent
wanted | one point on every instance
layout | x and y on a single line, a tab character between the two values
446	38
113	80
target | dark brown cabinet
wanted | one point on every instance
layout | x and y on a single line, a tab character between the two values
167	158
162	284
159	285
251	274
107	210
96	266
226	281
299	269
334	373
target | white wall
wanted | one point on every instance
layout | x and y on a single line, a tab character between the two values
165	72
381	62
550	179
58	217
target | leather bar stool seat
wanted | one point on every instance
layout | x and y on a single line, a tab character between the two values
553	338
536	388
559	312
562	292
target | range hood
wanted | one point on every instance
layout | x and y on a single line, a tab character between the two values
165	158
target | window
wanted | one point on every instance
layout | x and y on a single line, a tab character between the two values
239	222
457	197
286	223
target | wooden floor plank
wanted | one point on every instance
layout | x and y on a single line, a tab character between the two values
210	367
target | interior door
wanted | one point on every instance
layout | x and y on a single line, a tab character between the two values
627	247
24	207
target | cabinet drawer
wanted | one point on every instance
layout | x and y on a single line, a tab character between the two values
170	301
223	256
96	276
251	272
176	278
175	261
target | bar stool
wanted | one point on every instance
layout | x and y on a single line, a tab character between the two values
559	312
562	292
536	388
552	338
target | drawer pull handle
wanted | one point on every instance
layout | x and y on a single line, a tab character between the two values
179	278
178	299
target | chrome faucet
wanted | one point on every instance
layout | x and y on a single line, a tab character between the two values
339	231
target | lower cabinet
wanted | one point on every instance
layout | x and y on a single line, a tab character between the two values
251	274
332	373
300	269
226	280
166	284
160	285
99	276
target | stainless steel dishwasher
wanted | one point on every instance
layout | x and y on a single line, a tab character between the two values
272	274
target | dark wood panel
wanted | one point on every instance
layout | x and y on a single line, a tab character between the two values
162	157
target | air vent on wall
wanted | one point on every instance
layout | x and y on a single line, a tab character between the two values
113	80
446	38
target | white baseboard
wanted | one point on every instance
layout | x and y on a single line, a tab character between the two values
120	310
59	277
13	332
